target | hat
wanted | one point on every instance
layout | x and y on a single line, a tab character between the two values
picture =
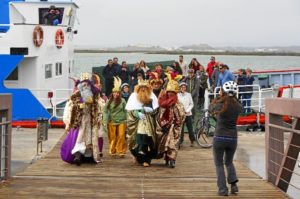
173	86
169	68
173	82
52	7
117	84
223	66
154	78
142	83
182	84
124	84
85	76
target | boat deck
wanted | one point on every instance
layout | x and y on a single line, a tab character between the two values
193	177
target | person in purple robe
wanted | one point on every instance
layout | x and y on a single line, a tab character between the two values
83	118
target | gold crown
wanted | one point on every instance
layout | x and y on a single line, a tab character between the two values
85	76
143	83
117	84
173	86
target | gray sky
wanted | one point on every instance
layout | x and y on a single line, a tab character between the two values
110	23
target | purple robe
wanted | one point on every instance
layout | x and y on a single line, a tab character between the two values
69	143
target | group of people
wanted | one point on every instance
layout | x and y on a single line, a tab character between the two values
147	126
147	114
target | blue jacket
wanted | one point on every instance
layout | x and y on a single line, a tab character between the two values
225	77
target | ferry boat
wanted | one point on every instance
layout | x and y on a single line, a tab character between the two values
37	59
36	55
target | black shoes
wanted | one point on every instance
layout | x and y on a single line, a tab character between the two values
78	158
234	188
223	192
172	164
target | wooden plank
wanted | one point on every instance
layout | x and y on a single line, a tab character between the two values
193	177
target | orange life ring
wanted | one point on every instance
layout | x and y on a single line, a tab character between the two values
38	36
59	38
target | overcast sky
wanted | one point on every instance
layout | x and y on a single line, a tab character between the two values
110	23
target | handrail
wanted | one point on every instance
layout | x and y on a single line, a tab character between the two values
281	158
5	136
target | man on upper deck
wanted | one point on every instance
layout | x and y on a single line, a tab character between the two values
52	16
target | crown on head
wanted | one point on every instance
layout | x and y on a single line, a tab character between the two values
143	83
85	76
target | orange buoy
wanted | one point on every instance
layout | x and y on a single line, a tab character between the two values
59	38
38	36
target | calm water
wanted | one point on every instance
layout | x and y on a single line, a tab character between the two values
85	61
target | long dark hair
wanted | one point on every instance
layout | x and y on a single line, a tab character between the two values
117	101
228	102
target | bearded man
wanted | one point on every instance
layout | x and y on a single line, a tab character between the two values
141	110
169	123
83	116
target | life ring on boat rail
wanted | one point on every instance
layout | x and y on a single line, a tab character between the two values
59	38
38	36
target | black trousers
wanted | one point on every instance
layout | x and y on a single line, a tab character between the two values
189	123
144	151
224	151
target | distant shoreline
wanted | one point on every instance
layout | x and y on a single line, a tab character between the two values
193	52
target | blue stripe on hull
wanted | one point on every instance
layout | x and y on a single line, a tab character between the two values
4	14
24	106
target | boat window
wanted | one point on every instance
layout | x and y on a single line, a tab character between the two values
51	15
14	75
58	69
48	71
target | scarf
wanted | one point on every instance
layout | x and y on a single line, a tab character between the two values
166	103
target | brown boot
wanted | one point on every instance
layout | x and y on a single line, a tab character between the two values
146	164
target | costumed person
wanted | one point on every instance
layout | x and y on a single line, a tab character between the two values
169	122
82	116
125	91
142	108
156	83
97	83
115	121
227	109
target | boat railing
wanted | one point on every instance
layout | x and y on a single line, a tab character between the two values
55	105
283	144
43	95
61	96
53	100
257	96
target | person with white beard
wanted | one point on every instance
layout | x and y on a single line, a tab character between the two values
83	118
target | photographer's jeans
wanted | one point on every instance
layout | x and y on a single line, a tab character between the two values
223	150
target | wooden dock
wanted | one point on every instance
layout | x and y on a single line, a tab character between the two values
193	177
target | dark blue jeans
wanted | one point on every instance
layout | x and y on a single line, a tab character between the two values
248	97
223	150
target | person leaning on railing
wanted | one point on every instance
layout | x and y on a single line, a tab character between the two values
248	89
226	108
